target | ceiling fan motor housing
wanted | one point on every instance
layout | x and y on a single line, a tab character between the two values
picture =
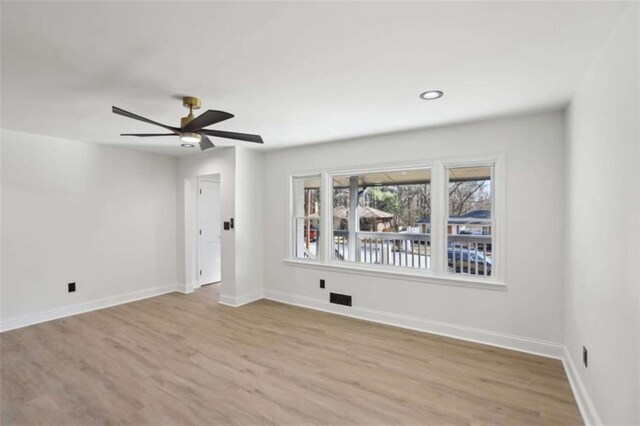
185	120
191	102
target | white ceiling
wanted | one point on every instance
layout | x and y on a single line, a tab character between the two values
292	72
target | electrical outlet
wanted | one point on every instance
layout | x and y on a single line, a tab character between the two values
585	356
71	287
321	283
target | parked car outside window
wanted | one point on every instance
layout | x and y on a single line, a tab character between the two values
469	261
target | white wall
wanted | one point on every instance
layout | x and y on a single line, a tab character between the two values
603	209
532	307
249	224
100	216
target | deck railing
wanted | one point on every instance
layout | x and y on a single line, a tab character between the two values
466	254
385	248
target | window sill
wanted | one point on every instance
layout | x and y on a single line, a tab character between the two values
386	272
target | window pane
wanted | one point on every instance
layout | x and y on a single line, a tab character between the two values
383	218
307	237
306	193
470	221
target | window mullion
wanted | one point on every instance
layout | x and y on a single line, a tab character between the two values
438	218
326	219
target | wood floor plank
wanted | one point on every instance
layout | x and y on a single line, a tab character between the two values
186	360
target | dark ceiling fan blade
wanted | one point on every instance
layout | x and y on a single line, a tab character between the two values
128	114
205	143
147	135
232	135
207	118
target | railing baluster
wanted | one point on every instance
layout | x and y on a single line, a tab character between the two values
385	255
371	250
468	263
413	254
455	253
371	247
476	246
376	250
406	252
364	246
485	259
393	252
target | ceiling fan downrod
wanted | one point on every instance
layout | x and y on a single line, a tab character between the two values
191	103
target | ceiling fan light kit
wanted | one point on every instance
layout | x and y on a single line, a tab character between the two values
192	129
190	137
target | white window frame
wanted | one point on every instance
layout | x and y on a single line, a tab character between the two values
293	218
439	216
496	248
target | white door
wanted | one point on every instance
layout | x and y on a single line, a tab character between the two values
208	232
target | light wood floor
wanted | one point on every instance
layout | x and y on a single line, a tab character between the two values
184	359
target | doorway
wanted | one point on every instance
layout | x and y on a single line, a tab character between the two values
209	230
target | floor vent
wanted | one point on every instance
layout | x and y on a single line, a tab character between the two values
340	299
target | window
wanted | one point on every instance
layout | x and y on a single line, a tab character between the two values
383	218
306	215
470	220
433	221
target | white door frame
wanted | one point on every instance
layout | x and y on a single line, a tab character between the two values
214	180
191	238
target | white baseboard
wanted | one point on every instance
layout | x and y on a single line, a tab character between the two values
522	344
79	308
240	300
184	289
587	409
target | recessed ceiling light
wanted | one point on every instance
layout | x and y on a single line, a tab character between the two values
430	95
187	145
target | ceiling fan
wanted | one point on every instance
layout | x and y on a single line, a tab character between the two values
192	129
